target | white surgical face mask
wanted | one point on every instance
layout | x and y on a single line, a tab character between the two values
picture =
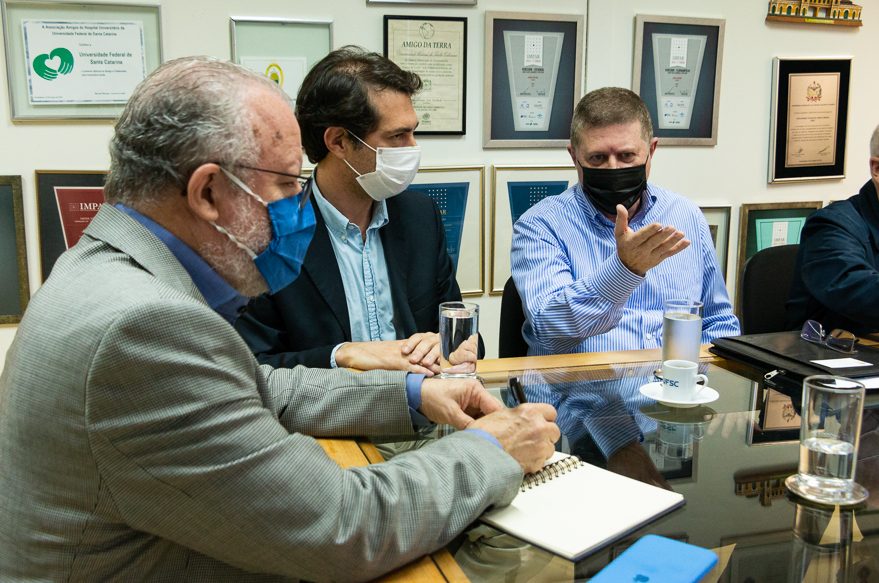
395	169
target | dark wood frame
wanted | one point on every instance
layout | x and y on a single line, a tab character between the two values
52	243
13	183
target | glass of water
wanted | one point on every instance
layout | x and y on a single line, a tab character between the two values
681	330
829	435
459	339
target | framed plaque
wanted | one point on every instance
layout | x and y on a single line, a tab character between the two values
281	49
533	78
677	73
67	201
718	224
769	225
14	288
809	118
435	48
514	190
459	193
69	60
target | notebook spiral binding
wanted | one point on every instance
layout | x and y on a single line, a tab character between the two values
551	471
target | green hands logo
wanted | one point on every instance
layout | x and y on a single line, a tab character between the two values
50	70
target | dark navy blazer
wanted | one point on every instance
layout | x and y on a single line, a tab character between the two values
836	280
303	322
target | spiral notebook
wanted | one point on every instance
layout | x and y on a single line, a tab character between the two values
572	508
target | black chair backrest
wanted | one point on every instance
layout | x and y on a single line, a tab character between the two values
510	340
765	289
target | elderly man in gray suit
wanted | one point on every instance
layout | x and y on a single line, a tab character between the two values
139	438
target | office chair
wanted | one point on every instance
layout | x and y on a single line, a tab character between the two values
765	289
510	340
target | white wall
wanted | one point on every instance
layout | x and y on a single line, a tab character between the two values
731	173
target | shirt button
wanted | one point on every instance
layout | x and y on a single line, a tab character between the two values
648	336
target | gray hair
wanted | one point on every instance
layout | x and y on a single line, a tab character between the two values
186	113
610	106
874	143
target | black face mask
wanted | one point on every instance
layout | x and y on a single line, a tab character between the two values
608	187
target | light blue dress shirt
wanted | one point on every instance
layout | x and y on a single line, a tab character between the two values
579	297
364	270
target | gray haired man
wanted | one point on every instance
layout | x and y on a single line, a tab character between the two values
139	438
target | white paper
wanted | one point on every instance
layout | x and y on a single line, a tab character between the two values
841	362
79	62
678	53
779	233
533	50
870	383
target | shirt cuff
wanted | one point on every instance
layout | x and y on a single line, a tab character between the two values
485	435
333	355
615	282
413	397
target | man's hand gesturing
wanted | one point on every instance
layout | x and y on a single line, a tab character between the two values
642	250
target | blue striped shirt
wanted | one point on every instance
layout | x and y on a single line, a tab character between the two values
579	297
364	270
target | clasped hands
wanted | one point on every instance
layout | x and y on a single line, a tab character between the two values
420	353
646	248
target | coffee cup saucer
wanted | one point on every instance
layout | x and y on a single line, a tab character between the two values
654	391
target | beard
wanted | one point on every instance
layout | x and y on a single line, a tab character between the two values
231	262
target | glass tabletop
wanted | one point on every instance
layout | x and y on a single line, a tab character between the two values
728	458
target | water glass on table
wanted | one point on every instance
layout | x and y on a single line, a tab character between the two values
459	339
829	435
681	330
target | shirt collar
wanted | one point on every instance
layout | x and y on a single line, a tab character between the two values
648	199
337	222
220	296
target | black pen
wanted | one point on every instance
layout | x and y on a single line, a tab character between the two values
518	391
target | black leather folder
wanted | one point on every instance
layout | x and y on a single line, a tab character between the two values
786	351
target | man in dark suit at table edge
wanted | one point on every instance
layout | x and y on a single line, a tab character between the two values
378	267
836	278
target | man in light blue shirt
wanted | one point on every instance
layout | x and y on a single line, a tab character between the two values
378	266
594	264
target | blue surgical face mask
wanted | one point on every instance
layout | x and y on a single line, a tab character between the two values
292	220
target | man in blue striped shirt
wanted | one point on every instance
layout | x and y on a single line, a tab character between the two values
594	264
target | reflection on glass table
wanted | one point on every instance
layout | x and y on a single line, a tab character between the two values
736	503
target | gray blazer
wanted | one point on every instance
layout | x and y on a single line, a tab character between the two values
140	440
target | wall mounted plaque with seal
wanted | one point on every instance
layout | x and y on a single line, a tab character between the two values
809	118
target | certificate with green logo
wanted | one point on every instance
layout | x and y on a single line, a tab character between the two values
78	62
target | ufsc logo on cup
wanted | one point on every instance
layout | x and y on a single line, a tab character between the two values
670	383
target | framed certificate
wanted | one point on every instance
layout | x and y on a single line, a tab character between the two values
67	201
533	78
435	48
14	289
281	49
459	192
809	118
718	224
77	61
770	225
514	190
677	73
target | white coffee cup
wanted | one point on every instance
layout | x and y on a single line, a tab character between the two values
679	380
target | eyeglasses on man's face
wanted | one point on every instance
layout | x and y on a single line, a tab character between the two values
838	340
